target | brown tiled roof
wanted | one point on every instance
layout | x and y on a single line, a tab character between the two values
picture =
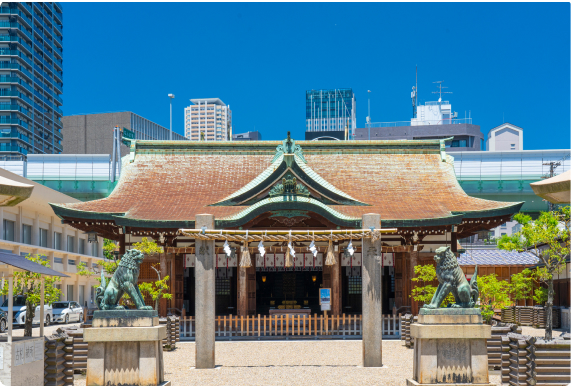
397	179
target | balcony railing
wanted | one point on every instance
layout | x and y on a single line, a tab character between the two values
15	11
420	123
13	121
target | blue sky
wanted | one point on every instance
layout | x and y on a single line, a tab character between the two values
510	59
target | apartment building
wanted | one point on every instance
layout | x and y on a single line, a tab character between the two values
31	227
208	119
31	78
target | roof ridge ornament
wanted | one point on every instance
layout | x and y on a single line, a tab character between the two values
289	147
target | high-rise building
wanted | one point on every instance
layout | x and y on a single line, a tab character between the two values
31	78
93	133
208	119
329	113
248	136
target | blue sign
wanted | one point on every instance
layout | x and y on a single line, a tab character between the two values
325	297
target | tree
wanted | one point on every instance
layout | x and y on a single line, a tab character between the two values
426	274
108	248
159	288
521	285
28	284
148	247
547	237
493	293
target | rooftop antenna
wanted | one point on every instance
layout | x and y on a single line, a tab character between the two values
414	95
441	87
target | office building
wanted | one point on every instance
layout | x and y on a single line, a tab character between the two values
93	133
208	119
329	113
433	120
31	78
505	137
248	136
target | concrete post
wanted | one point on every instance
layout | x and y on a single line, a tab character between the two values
36	229
371	294
205	296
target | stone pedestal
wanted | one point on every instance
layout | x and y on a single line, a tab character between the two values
125	348
450	347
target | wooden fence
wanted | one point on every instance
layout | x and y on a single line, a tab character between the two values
264	326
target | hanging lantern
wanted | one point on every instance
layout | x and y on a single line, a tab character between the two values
245	261
314	278
330	257
91	236
264	279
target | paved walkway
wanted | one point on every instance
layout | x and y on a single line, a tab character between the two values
48	330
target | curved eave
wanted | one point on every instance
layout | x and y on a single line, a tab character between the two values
511	209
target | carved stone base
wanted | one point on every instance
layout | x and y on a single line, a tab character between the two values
122	355
450	348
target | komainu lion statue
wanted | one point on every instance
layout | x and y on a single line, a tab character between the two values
452	279
124	280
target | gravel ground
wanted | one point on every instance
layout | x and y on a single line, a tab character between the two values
333	362
540	332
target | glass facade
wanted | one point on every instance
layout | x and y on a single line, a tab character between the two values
31	78
330	110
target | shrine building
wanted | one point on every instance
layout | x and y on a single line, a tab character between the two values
287	197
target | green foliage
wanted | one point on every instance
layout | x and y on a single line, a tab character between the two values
108	248
540	295
28	283
423	292
148	247
493	294
521	285
548	237
156	290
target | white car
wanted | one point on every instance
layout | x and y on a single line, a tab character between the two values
19	310
65	312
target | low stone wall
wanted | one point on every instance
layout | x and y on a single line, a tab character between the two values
406	321
530	316
534	361
495	350
56	361
173	327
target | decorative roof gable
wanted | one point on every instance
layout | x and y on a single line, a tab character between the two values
288	167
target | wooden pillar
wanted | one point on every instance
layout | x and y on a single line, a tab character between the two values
454	242
121	245
172	278
413	260
336	286
242	293
251	295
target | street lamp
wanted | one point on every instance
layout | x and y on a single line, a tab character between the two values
171	97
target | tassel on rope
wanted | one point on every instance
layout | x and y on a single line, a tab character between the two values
330	257
245	261
288	261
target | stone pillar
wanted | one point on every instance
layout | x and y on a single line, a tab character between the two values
242	306
204	296
371	294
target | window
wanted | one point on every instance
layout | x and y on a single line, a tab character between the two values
71	262
8	230
57	240
43	238
503	226
70	243
222	286
26	234
58	260
81	246
70	291
94	248
354	285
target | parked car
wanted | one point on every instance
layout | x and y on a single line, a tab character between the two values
65	312
19	310
3	321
